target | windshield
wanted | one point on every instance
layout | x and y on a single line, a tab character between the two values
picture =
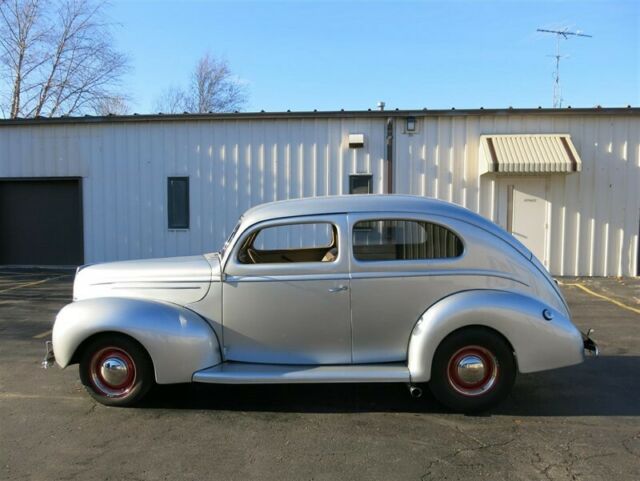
228	241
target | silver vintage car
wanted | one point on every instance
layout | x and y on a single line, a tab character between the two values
360	288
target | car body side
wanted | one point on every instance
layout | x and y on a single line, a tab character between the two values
495	283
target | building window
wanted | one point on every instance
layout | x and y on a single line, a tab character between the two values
178	202
361	184
403	240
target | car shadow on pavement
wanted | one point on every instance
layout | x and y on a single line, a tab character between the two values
603	386
606	386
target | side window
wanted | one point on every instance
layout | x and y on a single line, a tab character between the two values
302	242
360	184
387	240
178	202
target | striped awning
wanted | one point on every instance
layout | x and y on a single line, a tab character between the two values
529	154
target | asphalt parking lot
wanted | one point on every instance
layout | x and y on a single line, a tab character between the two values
580	423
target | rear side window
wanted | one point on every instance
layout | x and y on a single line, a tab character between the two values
403	240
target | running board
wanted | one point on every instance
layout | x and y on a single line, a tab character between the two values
244	373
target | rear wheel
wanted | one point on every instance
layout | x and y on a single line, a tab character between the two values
473	370
116	370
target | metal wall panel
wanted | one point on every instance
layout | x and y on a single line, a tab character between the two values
594	213
232	165
237	163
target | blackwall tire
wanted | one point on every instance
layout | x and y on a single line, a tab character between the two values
473	370
116	370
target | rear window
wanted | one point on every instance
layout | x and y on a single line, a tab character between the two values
403	240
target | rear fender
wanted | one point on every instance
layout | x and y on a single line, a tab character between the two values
179	341
538	344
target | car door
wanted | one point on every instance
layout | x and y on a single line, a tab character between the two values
400	265
286	293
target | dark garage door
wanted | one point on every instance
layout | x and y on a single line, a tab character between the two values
41	222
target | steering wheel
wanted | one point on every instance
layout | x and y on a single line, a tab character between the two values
253	255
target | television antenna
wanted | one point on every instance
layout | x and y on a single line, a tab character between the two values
560	34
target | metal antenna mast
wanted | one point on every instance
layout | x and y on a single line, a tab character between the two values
560	34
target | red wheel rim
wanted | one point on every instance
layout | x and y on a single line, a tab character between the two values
112	372
473	371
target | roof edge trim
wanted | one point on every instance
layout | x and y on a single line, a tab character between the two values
318	114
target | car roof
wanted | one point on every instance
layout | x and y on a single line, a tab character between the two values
387	203
345	204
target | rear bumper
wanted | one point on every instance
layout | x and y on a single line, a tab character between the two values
590	346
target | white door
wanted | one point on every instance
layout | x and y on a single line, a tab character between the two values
527	214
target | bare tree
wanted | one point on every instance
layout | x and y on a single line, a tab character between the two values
212	88
20	39
57	56
172	101
116	105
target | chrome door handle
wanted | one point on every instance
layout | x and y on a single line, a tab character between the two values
338	289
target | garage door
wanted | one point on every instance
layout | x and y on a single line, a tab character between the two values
41	222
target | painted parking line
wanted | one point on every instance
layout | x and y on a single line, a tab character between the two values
17	395
601	296
43	334
35	283
21	274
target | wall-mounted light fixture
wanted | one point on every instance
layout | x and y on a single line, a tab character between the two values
411	125
356	141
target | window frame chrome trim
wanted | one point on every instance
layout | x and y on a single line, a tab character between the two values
339	266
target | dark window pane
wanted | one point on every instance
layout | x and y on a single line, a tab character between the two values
178	202
386	240
360	184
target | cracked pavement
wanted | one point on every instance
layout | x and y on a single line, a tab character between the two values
579	423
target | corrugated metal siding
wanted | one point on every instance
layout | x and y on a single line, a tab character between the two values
237	163
594	214
232	165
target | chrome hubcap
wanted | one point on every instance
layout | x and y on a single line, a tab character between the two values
471	369
114	371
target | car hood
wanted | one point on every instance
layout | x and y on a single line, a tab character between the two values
180	280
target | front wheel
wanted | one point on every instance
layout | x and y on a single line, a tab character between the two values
473	370
116	370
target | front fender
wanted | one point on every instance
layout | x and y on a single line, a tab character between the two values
538	344
178	340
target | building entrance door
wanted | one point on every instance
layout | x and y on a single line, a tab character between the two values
528	214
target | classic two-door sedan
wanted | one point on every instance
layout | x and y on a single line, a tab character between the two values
371	288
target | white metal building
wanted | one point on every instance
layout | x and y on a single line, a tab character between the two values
72	190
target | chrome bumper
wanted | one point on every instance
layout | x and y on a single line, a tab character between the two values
49	358
590	347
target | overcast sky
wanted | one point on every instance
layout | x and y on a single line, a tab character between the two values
302	55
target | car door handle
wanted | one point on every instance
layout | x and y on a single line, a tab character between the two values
338	289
